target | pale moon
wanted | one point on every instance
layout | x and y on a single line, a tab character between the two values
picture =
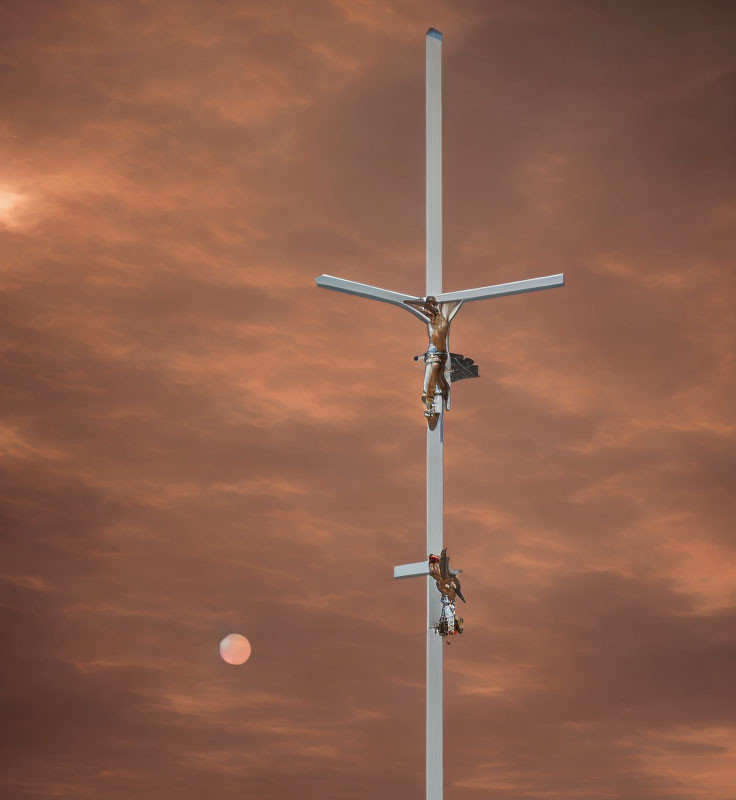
235	649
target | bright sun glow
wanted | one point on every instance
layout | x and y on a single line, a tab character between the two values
9	202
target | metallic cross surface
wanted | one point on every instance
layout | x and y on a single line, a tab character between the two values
438	404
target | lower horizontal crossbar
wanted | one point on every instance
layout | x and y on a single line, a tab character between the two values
412	570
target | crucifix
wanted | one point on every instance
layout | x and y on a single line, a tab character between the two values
436	309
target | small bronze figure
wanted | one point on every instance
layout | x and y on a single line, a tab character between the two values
447	581
436	372
448	584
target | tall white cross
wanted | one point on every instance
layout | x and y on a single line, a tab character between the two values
435	438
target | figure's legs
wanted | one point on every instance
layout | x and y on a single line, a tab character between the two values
443	385
433	372
432	376
427	380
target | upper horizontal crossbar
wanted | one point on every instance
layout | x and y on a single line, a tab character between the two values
467	295
371	292
501	289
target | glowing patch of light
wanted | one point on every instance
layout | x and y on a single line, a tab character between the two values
9	202
235	649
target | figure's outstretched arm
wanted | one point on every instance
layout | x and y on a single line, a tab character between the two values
419	308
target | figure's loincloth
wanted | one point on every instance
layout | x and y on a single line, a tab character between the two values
435	356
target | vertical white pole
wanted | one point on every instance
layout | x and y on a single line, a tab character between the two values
434	162
434	438
434	607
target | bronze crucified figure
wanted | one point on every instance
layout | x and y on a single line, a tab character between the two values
438	317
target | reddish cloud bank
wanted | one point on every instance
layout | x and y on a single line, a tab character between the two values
197	441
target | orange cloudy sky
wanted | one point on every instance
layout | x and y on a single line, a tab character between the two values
197	441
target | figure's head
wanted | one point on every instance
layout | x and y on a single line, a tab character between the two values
433	559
